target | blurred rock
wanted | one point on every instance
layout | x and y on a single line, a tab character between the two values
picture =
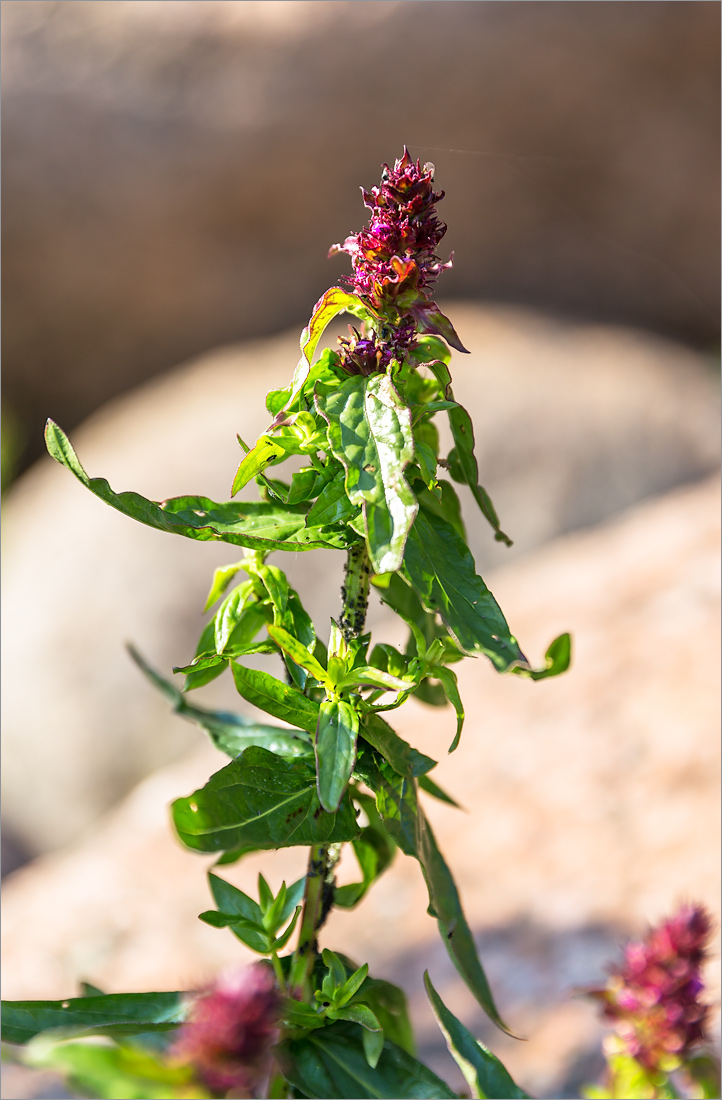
592	809
175	172
573	423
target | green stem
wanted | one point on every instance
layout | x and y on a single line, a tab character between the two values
323	857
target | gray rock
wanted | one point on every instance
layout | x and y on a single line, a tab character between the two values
574	423
592	808
174	173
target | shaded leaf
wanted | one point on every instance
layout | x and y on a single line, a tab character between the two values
256	525
331	1063
402	757
484	1073
374	851
450	685
439	567
231	733
263	801
111	1013
397	803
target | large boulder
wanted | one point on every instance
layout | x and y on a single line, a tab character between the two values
591	808
574	423
174	173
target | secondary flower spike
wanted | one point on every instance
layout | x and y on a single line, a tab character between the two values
230	1031
653	996
395	266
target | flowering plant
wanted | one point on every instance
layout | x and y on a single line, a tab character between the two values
360	422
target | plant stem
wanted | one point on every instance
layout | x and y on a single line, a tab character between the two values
322	858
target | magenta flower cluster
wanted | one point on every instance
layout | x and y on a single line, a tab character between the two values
653	997
395	265
231	1028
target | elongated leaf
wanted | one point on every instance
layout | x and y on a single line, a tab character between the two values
264	452
427	784
376	677
369	431
298	653
274	697
484	1073
229	613
440	569
231	733
112	1013
397	803
331	1063
335	750
260	800
222	577
401	756
255	525
333	302
450	684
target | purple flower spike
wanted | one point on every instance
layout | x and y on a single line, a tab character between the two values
228	1036
653	996
395	265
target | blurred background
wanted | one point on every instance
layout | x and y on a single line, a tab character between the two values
173	175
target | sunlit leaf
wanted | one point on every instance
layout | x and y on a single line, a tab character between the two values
335	750
261	800
484	1073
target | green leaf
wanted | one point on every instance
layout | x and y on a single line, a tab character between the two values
264	452
333	302
231	900
450	684
335	750
397	803
427	784
112	1013
439	567
367	674
108	1072
274	697
229	613
260	800
332	506
369	431
298	653
304	486
557	659
374	852
484	1073
448	507
388	1003
222	577
331	1063
336	969
229	732
401	756
262	526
